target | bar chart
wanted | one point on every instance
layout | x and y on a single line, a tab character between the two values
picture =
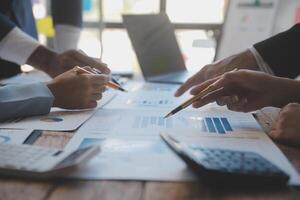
217	125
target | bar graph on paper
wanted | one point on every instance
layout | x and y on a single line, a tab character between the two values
160	102
217	125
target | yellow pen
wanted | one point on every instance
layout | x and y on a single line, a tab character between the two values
208	89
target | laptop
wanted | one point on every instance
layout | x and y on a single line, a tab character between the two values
156	47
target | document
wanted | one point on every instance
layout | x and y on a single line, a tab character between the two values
127	158
58	119
128	135
152	160
11	136
207	122
147	96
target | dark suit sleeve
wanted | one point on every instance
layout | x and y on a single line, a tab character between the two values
67	12
282	52
5	26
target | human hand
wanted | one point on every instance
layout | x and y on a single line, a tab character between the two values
285	128
244	60
247	90
55	64
77	91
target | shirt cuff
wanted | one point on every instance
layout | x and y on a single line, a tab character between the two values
17	46
263	66
66	38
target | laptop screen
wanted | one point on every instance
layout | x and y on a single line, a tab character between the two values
155	44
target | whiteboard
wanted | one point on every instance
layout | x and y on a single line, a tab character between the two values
247	22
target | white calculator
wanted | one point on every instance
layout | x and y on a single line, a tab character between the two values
41	163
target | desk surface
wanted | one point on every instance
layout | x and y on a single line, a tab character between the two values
133	190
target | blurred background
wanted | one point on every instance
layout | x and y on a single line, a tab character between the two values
197	24
198	27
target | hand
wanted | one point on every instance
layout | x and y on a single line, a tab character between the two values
77	91
244	60
247	90
54	64
286	128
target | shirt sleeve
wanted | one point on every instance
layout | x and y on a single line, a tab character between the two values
66	38
18	100
263	66
67	23
16	46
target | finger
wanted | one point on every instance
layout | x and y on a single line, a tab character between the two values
241	105
99	79
99	88
92	104
222	101
274	134
210	97
188	84
83	58
97	96
202	86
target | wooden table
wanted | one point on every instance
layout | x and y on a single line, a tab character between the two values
134	190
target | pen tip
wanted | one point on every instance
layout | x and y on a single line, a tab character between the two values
122	89
168	115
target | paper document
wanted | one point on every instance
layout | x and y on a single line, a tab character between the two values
147	96
127	129
150	122
132	159
58	119
152	160
11	136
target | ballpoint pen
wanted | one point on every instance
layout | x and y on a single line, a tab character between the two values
202	93
97	71
109	84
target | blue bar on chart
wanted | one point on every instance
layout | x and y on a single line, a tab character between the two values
218	125
226	124
203	126
210	125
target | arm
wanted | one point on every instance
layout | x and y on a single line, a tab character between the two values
247	90
281	52
15	45
68	90
67	23
24	100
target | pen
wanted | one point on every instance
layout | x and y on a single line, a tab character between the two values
201	94
109	84
97	71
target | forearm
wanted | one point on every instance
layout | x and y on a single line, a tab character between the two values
24	100
43	59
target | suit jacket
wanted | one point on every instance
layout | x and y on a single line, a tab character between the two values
19	13
282	52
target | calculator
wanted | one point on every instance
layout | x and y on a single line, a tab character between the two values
41	163
227	167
